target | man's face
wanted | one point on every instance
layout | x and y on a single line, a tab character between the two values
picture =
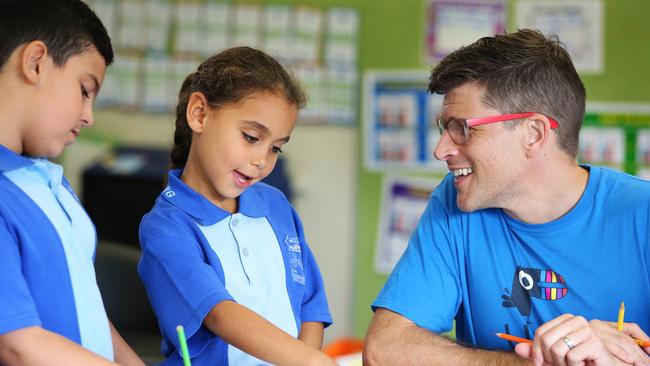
62	104
488	165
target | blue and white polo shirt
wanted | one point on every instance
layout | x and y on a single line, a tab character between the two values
47	243
196	255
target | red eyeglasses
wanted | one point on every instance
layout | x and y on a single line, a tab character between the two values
458	128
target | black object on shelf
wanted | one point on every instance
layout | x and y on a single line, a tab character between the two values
118	190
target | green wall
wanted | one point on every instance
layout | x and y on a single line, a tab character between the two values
391	38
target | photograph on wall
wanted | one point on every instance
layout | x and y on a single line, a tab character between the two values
403	201
643	153
450	24
578	24
602	146
399	122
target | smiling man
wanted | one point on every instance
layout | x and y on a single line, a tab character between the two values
518	238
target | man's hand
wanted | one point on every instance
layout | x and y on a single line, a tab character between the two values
621	344
567	340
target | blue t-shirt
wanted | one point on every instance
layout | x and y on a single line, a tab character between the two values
196	255
47	243
493	273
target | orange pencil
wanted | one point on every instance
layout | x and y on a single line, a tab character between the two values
642	343
509	337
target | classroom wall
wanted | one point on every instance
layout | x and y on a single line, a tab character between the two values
391	39
337	198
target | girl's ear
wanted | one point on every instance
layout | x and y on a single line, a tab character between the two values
33	60
197	108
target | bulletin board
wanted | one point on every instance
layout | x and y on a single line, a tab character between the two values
399	122
159	42
617	135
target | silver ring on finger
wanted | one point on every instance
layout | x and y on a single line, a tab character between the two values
568	342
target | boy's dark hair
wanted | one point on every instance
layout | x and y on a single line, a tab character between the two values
67	27
521	72
227	78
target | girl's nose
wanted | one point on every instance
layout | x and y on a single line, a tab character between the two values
259	163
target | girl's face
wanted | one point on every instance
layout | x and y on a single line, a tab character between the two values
237	145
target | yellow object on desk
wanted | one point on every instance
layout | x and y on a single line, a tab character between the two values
621	315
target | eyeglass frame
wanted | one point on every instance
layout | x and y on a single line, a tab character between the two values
470	122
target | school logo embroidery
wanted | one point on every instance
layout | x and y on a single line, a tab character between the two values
529	283
168	192
295	259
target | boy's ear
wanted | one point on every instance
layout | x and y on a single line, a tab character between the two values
197	109
33	59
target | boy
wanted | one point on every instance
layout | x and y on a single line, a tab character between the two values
53	55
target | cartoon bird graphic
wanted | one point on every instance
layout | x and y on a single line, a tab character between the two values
528	283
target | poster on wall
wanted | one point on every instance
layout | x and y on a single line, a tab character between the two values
320	45
403	201
577	23
399	128
450	24
643	153
617	135
602	146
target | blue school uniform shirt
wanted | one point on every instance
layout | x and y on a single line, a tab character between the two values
47	243
493	273
196	255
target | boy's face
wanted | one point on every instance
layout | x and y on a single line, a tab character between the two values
62	103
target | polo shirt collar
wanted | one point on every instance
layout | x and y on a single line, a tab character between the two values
179	194
10	160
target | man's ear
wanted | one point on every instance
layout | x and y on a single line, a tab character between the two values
538	130
197	110
33	60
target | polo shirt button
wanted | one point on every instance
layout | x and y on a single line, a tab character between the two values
234	222
245	252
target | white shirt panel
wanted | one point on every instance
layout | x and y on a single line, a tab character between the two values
254	273
42	183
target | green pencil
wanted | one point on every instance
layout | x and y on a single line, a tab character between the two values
183	343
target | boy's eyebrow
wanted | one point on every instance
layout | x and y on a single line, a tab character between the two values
258	126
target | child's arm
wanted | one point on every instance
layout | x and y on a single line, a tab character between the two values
123	353
37	346
312	334
248	331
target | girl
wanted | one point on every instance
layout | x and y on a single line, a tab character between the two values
222	254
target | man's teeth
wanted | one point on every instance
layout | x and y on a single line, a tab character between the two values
463	171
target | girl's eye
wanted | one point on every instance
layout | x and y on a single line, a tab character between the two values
276	150
249	138
84	92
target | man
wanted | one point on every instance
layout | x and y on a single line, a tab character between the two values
519	236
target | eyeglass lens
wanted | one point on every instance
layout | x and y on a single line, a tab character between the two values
455	128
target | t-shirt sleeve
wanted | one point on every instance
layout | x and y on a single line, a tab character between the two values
182	287
17	307
314	304
424	286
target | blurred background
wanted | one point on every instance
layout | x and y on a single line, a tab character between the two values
359	167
